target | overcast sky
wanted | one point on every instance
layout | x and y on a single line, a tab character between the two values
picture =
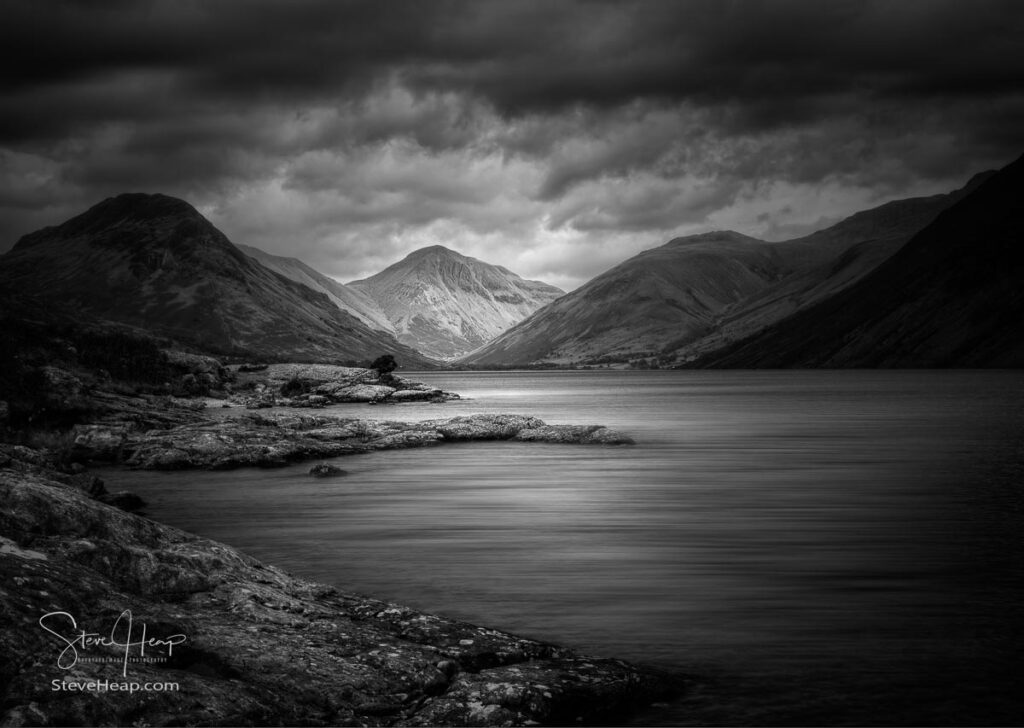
556	138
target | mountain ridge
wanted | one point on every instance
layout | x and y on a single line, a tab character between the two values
444	303
154	262
949	298
346	298
694	298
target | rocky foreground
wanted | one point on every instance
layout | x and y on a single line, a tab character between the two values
245	643
261	647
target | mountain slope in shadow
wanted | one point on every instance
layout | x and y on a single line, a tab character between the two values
701	292
154	263
951	297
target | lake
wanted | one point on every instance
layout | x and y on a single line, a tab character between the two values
813	547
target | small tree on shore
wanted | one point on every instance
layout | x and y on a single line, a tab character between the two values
384	364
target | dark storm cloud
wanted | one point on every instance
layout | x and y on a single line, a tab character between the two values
531	56
507	120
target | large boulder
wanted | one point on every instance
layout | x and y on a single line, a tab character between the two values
98	442
123	499
196	375
184	362
62	390
326	470
484	427
343	392
573	434
416	395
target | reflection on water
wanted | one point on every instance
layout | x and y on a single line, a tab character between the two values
820	547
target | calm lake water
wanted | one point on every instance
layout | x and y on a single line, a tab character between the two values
813	547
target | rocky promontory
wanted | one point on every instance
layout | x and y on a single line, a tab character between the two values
277	439
243	643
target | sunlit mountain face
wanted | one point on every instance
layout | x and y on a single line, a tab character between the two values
445	304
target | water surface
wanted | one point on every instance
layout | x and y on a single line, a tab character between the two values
816	547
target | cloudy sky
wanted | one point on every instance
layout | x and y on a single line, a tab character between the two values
554	137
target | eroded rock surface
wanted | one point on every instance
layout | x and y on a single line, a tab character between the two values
275	440
260	647
318	385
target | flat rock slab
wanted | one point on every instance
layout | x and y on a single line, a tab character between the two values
255	646
278	439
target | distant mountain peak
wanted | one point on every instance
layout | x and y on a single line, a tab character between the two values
434	250
437	253
445	303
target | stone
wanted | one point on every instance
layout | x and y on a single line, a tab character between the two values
63	391
340	392
328	384
90	484
123	499
193	363
416	395
98	442
576	434
484	427
326	470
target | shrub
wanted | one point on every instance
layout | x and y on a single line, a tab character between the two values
294	387
58	444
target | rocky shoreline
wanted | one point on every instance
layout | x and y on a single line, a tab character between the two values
275	440
259	647
320	385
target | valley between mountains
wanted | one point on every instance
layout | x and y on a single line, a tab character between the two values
153	265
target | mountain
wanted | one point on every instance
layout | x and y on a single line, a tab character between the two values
700	292
344	297
951	297
153	262
642	305
826	262
445	304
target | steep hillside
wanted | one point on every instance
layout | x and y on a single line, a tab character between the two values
826	262
672	293
153	262
344	297
701	292
445	304
951	297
